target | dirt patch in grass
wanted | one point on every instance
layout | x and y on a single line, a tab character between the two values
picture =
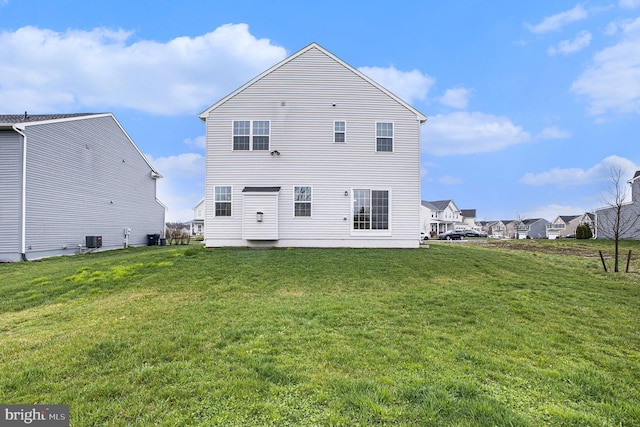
574	248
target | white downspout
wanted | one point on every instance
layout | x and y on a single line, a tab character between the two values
23	237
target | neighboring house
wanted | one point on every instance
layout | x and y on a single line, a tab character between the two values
197	226
562	226
510	227
439	216
505	228
534	228
495	229
565	225
64	177
590	219
629	216
469	218
312	153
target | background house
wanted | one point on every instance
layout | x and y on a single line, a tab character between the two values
68	176
197	226
496	229
562	226
439	216
565	225
629	217
312	153
469	218
533	228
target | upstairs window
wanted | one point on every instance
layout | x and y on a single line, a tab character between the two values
222	200
260	135
241	132
339	131
251	135
384	136
301	201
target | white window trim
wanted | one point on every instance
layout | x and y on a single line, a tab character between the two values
293	199
371	233
345	131
393	137
251	134
230	201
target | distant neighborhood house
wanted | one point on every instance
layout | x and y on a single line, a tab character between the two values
73	181
312	153
531	228
197	226
565	225
440	216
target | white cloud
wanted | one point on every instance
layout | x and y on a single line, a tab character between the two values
557	21
612	81
408	85
185	165
450	180
554	132
576	176
470	132
182	184
45	71
629	4
198	142
565	47
457	97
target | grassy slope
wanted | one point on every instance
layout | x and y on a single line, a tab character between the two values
451	335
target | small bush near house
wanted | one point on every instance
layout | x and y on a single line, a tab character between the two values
583	231
176	236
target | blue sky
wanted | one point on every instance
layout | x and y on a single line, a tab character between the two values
530	104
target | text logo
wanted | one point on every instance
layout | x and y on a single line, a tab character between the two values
34	415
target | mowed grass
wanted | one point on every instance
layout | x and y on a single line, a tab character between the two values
453	335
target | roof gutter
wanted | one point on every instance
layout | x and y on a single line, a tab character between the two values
23	219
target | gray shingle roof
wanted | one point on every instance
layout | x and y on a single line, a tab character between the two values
468	213
24	118
568	218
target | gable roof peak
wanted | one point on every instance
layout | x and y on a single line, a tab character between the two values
313	45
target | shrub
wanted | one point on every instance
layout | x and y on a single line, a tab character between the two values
583	231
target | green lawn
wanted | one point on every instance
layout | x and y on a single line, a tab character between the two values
455	335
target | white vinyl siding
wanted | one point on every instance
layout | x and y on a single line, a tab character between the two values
260	216
85	177
297	99
10	195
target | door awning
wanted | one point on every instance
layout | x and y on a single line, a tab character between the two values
261	189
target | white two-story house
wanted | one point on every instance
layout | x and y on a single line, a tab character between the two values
439	216
197	225
312	153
